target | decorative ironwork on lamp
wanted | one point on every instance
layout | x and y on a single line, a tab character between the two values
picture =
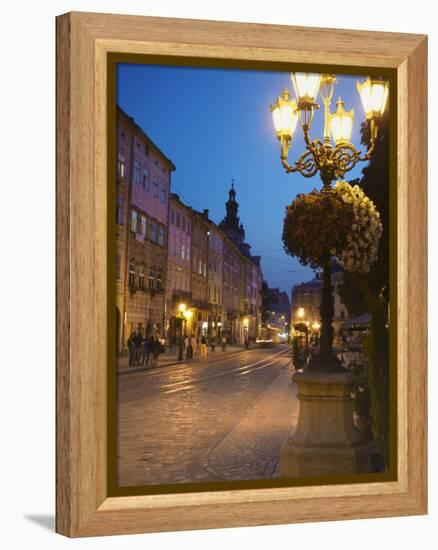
331	160
332	156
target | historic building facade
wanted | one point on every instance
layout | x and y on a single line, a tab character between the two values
306	301
200	307
242	282
179	266
142	208
170	257
216	239
231	291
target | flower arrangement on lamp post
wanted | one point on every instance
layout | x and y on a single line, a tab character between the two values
337	223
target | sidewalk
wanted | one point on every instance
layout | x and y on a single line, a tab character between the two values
252	449
171	358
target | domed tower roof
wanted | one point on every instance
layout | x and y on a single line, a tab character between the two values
232	192
231	223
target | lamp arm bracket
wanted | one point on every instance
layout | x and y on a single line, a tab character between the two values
370	152
288	167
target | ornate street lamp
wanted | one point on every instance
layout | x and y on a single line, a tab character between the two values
332	156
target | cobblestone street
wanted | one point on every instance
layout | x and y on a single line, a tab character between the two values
218	419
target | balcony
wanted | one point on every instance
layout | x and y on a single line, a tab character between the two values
181	295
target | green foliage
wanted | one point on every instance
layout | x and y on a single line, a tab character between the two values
364	293
377	350
362	397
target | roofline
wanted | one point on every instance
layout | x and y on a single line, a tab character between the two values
139	129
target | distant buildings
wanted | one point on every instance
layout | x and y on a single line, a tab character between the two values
242	275
276	308
306	301
168	254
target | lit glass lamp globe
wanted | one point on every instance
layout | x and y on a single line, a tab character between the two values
341	124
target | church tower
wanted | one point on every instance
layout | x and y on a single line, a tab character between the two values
230	224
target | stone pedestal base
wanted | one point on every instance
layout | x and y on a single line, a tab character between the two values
325	441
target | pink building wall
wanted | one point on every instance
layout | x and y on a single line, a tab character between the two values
180	247
151	192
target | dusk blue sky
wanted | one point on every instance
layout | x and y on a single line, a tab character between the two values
215	124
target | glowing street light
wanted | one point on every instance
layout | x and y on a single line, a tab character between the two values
332	156
301	313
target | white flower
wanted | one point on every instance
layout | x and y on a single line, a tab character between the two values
362	242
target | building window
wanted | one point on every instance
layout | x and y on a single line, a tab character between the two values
141	276
143	226
153	232
183	223
183	251
200	267
121	164
155	189
205	269
172	216
145	179
178	220
188	253
159	281
131	279
151	280
163	195
134	221
136	172
189	227
161	236
119	210
118	266
178	247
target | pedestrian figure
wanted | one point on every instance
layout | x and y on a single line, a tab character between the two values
156	350
246	343
153	350
162	345
189	351
147	351
134	346
131	348
194	345
224	342
203	346
213	343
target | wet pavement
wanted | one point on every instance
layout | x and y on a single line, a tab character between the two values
221	419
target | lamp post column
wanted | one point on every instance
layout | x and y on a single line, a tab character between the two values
326	311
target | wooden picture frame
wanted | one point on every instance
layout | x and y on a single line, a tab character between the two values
84	41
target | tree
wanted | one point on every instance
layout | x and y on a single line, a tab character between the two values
370	293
